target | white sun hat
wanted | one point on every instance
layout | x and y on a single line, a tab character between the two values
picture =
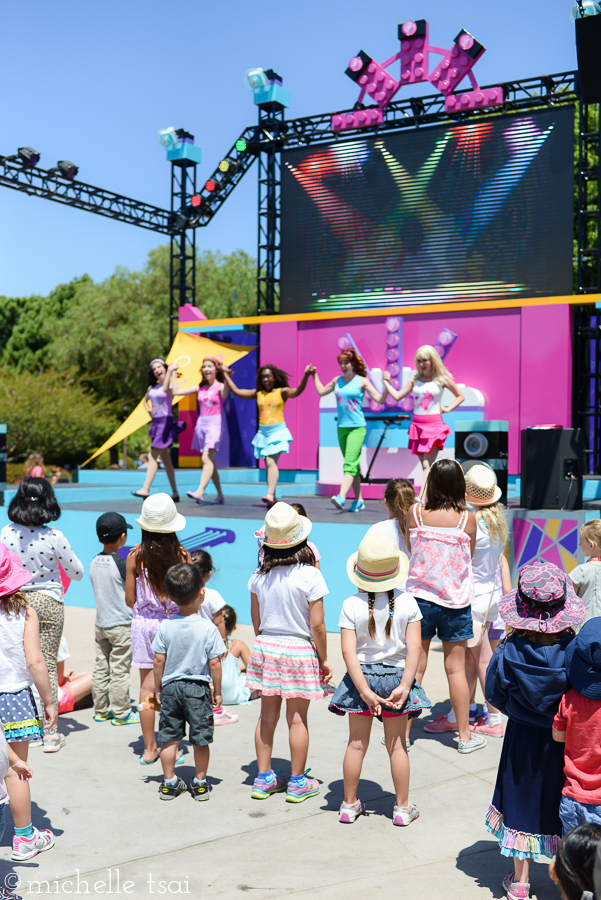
481	488
160	515
378	564
284	527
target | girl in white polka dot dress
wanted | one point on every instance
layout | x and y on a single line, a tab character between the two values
44	551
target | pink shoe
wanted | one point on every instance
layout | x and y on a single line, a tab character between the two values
491	730
518	891
24	848
224	716
440	724
404	815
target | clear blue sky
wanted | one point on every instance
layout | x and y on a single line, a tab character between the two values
94	82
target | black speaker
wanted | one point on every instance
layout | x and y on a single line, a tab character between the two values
588	49
552	468
484	442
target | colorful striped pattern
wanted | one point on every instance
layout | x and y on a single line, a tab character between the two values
284	667
519	844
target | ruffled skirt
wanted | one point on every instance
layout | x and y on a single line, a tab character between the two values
19	715
283	666
164	430
382	680
427	432
271	439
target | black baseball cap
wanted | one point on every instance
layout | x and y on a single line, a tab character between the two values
110	526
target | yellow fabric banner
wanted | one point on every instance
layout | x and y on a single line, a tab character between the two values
191	349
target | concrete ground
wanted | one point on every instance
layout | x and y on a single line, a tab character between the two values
116	836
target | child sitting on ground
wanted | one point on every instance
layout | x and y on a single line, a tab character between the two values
233	682
578	725
112	667
187	656
587	577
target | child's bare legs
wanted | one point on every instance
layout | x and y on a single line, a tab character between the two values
201	761
358	742
19	797
147	716
298	734
168	755
265	730
272	473
454	664
240	650
521	867
395	731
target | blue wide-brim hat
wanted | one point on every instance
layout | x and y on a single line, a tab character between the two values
583	660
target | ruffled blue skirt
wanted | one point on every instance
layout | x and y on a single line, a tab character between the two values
382	680
271	439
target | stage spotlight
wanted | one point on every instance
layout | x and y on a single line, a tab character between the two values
224	165
28	156
586	8
548	83
67	169
256	79
196	200
241	145
167	137
210	185
417	107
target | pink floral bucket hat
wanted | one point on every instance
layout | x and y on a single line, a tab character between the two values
544	600
12	574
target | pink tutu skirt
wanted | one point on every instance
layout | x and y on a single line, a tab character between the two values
427	432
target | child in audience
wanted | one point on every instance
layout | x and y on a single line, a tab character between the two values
112	631
73	687
289	656
381	641
260	536
187	656
526	679
233	683
587	577
9	760
399	497
578	725
574	870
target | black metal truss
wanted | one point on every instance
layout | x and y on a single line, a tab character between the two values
182	256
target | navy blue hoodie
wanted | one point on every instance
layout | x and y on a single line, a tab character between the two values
526	681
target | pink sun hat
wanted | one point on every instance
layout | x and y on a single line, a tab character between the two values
12	574
544	600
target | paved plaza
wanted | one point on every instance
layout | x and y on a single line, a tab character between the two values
115	835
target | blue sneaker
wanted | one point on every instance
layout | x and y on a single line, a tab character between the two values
338	501
263	789
357	506
296	793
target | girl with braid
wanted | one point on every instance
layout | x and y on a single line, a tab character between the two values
381	639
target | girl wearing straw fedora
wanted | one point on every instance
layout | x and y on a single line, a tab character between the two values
146	567
380	633
289	655
526	679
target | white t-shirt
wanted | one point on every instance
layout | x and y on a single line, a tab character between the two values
485	566
212	603
390	651
41	549
392	528
284	595
427	396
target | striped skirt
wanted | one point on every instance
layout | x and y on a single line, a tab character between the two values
283	666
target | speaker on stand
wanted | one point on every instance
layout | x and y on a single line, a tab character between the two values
485	442
552	468
588	49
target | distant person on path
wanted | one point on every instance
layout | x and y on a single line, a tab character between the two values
34	466
233	682
44	551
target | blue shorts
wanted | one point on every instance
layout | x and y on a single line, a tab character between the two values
451	625
573	813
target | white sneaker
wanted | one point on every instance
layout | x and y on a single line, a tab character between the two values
24	848
54	742
225	717
404	815
476	743
37	743
350	811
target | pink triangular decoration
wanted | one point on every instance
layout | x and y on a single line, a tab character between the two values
552	556
546	542
189	313
542	523
567	525
521	530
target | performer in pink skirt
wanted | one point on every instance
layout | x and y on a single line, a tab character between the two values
427	432
212	392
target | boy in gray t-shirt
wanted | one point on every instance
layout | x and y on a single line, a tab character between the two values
112	668
587	578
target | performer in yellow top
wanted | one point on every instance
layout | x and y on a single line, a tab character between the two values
273	436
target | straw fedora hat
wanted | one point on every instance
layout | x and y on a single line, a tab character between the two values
481	488
284	527
159	514
378	564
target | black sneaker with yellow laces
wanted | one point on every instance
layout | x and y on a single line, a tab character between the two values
169	791
200	790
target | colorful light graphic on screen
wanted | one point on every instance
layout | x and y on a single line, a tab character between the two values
471	211
548	540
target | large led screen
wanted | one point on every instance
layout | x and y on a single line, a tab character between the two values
480	210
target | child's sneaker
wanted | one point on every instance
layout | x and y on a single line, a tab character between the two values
200	790
491	730
103	717
132	718
26	848
297	792
351	811
440	724
169	791
224	717
515	889
263	789
404	815
477	742
54	742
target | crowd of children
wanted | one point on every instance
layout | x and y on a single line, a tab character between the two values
433	568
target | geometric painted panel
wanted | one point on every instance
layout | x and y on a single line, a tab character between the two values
548	540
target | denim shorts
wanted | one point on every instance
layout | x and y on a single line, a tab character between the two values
573	813
186	701
450	624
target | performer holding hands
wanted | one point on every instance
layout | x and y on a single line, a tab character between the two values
349	389
273	437
158	401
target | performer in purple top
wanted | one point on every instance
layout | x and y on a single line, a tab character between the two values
158	402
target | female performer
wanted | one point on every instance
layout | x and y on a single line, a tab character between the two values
161	384
427	432
212	392
273	437
349	389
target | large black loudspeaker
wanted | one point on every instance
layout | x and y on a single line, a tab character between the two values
588	48
484	442
552	468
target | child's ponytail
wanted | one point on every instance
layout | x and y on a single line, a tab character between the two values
371	622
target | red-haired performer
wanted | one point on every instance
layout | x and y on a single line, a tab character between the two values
349	389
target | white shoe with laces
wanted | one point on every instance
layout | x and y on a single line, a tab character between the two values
477	742
54	742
